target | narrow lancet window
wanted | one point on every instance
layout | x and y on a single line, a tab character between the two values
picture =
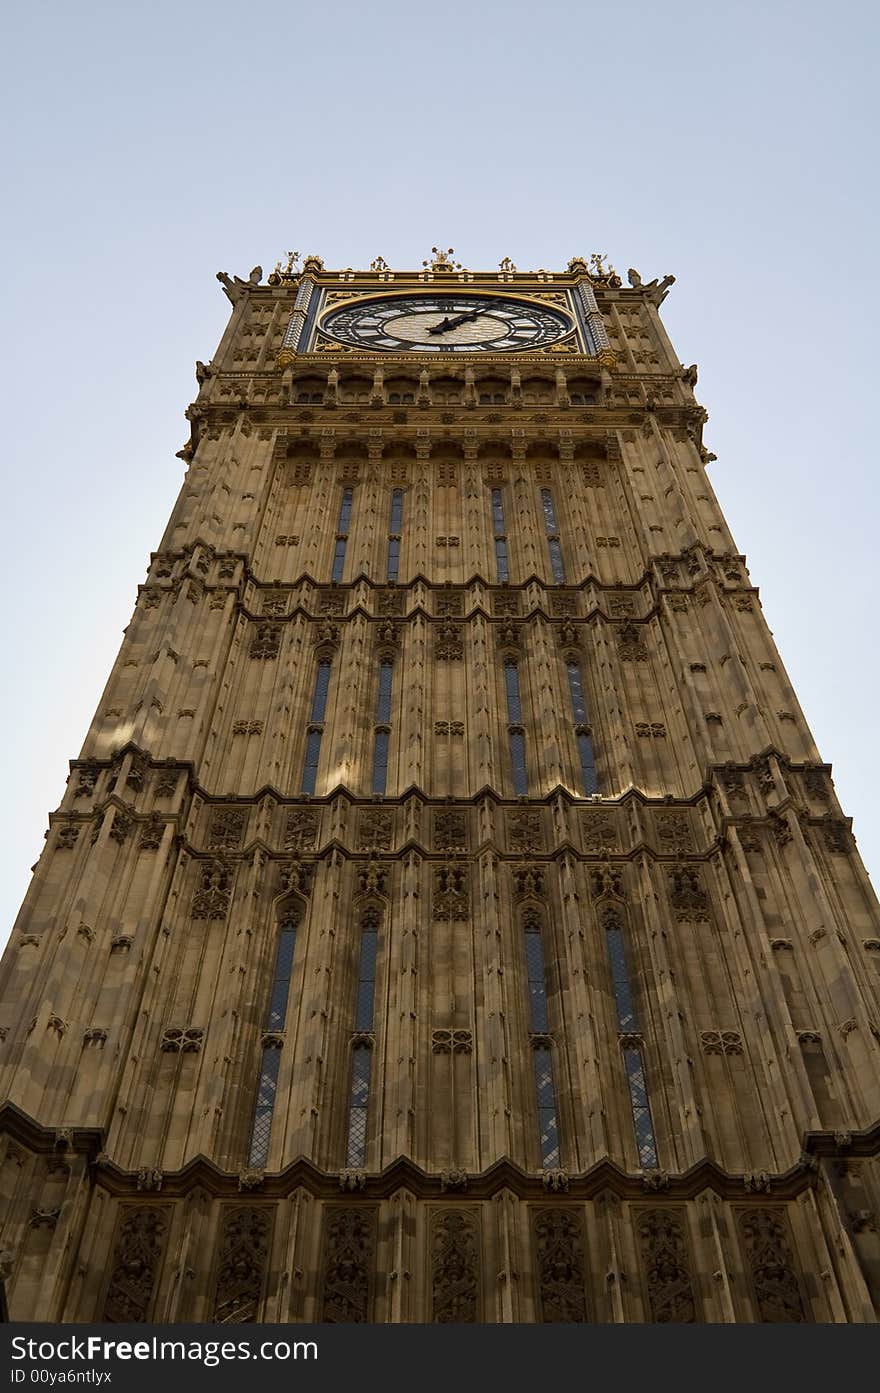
316	727
631	1045
362	1042
395	529
502	569
276	1016
382	733
581	729
554	545
342	527
539	1025
515	732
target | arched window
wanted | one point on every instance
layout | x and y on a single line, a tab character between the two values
539	1027
316	726
362	1040
276	1016
395	530
515	732
630	1040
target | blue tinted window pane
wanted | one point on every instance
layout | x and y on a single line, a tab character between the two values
338	560
578	700
556	564
310	766
642	1122
511	682
359	1103
396	523
626	1016
322	686
501	560
345	510
518	760
549	511
393	569
366	993
497	511
266	1092
548	1130
538	1019
380	761
383	705
588	764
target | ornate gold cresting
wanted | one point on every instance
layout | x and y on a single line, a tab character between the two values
441	260
379	264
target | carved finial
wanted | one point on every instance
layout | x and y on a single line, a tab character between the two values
577	266
256	275
441	260
634	278
598	267
379	264
505	264
291	268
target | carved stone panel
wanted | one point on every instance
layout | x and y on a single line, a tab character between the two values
375	831
666	1266
451	892
455	1267
524	832
767	1243
137	1255
300	831
687	893
674	833
348	1263
211	899
242	1257
450	830
559	1259
599	832
226	831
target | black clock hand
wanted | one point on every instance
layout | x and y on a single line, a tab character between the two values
463	318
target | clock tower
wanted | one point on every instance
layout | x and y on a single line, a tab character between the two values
449	917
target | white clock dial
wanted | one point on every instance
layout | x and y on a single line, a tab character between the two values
450	323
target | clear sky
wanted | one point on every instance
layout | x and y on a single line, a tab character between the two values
148	146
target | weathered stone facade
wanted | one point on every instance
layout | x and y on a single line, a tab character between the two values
475	936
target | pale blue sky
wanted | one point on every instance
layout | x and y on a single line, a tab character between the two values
733	145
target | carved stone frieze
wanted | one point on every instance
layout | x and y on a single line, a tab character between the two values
559	1252
766	1241
524	832
243	1255
214	892
137	1254
455	1267
300	831
375	830
687	894
674	833
348	1264
631	646
226	830
451	899
599	832
666	1266
266	641
450	830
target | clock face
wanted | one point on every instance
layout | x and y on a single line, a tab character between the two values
449	323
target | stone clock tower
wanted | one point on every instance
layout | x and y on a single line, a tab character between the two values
449	917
